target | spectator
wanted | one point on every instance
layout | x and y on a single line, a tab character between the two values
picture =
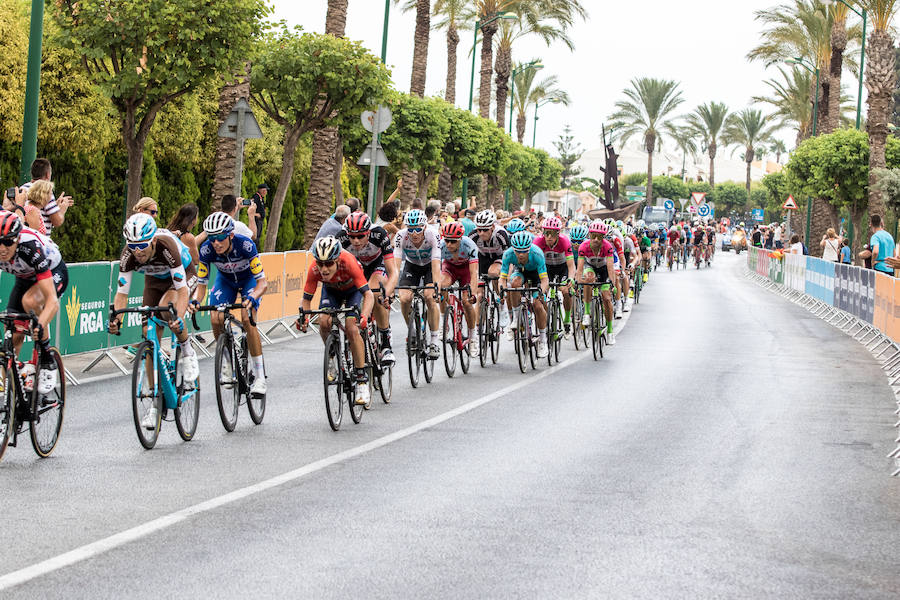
54	213
846	255
882	246
865	256
335	223
39	194
231	206
432	211
259	202
396	192
831	245
796	246
353	203
148	206
17	204
767	244
387	215
756	237
467	221
777	238
182	223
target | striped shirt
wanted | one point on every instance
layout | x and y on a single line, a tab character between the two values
51	208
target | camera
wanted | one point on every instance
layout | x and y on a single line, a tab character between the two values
11	193
245	202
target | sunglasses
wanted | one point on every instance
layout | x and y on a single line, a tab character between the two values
8	241
452	240
219	237
485	229
358	236
415	229
140	246
151	212
325	263
597	236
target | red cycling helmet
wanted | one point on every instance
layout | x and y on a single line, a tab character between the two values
552	223
452	231
358	222
10	225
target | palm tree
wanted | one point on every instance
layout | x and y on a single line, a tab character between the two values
420	48
325	143
778	148
707	121
529	93
548	19
748	129
449	13
880	82
791	100
686	140
838	41
647	110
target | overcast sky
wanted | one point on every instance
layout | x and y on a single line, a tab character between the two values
700	43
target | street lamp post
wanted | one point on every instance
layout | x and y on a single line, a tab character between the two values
32	90
384	39
478	26
537	105
862	54
535	64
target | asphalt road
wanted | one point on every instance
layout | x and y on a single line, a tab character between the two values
729	445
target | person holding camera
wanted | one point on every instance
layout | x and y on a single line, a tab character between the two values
54	212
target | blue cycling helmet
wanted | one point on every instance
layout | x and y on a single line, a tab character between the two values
578	233
661	227
140	227
415	218
521	240
515	226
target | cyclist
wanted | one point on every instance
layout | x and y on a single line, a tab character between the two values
239	271
419	250
524	263
344	285
674	245
557	249
646	245
41	277
631	260
372	248
578	234
614	236
688	240
699	241
170	277
595	264
459	262
492	240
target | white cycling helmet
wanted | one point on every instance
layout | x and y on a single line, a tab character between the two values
217	223
485	218
140	227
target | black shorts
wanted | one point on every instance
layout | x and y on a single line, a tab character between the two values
156	287
532	278
415	274
22	285
376	266
558	273
486	261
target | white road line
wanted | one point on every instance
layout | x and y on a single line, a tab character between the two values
93	549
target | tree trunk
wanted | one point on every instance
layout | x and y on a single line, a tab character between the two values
420	48
226	148
824	215
880	81
134	136
838	45
452	43
650	178
445	186
520	127
313	212
824	91
856	215
503	67
487	61
712	164
338	171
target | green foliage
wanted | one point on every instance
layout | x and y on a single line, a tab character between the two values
730	197
569	153
418	135
633	179
834	167
669	187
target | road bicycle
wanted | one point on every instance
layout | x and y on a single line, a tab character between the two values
555	325
579	332
670	257
698	255
455	332
22	404
381	375
157	382
638	282
525	332
489	320
338	371
233	379
685	253
416	344
597	319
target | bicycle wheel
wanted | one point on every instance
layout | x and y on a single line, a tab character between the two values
427	361
414	339
49	411
521	343
559	329
595	329
228	392
187	413
465	356
386	383
577	316
146	394
333	377
529	337
8	407
484	327
495	332
448	338
356	410
552	325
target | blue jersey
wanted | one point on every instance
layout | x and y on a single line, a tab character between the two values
239	264
534	264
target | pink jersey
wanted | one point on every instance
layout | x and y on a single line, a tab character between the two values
595	259
558	254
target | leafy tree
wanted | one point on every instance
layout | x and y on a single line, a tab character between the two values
146	53
670	187
731	198
569	153
302	81
633	179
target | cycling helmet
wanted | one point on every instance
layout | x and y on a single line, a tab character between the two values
641	223
10	225
578	233
619	223
326	248
521	240
140	227
452	230
610	222
598	226
358	222
485	218
217	223
661	227
415	218
552	223
515	226
629	230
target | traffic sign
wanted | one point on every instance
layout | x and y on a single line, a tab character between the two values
758	214
698	197
703	210
790	204
692	209
669	205
380	120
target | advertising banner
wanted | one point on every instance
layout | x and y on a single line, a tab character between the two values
131	323
884	290
867	299
84	308
272	303
295	267
893	315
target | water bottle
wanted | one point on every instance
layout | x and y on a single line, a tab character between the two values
238	335
27	373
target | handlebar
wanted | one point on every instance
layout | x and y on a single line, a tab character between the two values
143	310
14	316
219	308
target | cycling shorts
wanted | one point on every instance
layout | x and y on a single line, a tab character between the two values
376	266
225	290
459	273
415	274
21	285
601	274
530	278
485	263
332	298
558	273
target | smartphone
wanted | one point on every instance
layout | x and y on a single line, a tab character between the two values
11	193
